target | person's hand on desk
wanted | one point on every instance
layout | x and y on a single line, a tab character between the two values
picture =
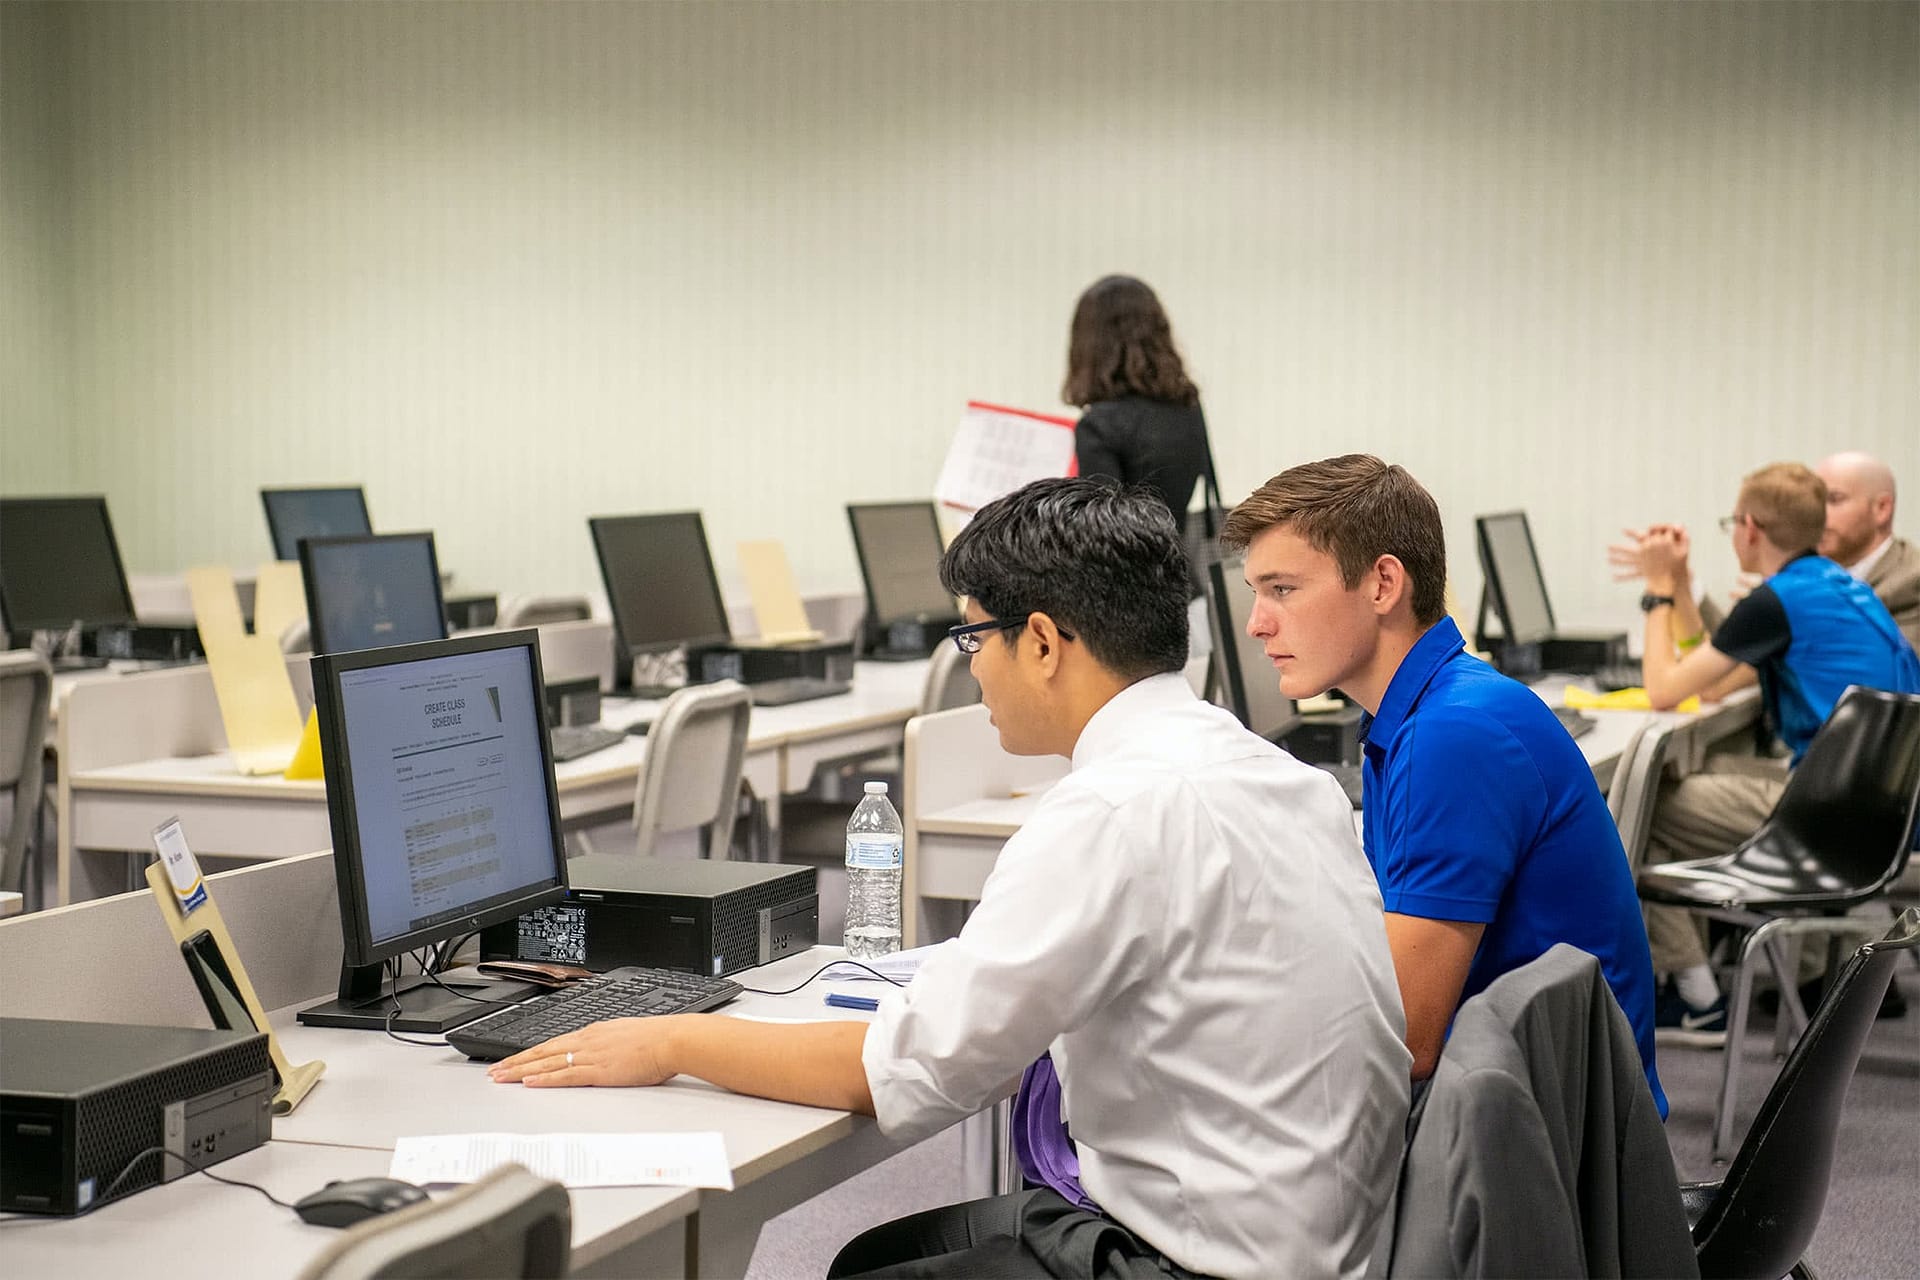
623	1051
815	1063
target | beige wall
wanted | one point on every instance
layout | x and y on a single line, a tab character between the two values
511	265
36	261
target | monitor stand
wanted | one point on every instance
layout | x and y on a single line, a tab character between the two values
425	1007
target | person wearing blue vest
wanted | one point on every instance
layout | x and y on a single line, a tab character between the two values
1805	633
1486	831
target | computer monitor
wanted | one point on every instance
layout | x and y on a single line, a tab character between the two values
660	583
60	564
293	514
371	592
1247	677
1514	583
445	818
898	545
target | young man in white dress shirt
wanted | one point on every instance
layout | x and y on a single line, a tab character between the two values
1186	922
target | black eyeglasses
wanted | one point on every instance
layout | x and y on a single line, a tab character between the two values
968	638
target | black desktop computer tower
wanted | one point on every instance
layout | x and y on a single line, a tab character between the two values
79	1102
688	914
757	664
1326	737
905	640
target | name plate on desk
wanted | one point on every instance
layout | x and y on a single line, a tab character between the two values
183	869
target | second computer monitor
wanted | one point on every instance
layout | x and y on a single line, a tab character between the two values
372	592
1515	584
1247	676
60	564
898	544
293	514
660	582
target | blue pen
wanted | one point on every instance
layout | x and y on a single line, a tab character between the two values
837	1000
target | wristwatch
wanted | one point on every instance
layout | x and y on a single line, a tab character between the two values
1649	602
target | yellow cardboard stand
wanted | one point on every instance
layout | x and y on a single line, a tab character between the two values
777	607
295	1081
306	757
257	704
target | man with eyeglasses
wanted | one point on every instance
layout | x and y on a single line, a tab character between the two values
1186	926
1805	633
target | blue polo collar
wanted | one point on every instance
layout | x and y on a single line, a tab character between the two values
1430	652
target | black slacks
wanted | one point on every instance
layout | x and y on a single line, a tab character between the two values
1029	1235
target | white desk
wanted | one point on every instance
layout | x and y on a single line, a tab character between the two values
109	801
118	963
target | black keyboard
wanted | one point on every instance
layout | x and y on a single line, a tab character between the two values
1577	723
1348	776
1617	675
571	741
778	693
619	993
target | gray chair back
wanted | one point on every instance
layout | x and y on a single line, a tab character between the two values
26	692
531	611
695	751
1635	789
950	681
509	1223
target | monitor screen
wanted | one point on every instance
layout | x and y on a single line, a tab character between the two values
59	564
440	791
1513	576
1251	684
371	592
660	582
898	544
293	514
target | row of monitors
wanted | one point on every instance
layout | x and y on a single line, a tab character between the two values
420	861
60	563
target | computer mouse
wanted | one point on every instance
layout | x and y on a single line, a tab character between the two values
341	1204
639	728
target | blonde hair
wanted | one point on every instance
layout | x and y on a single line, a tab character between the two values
1789	503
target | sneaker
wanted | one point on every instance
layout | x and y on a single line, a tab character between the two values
1677	1022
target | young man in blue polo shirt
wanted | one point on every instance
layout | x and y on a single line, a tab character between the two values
1487	834
1806	633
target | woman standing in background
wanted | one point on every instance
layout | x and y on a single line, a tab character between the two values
1141	421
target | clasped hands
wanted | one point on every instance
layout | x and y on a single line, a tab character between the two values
1657	553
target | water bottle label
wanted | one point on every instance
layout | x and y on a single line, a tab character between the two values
876	853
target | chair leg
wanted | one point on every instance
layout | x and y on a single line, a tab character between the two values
1737	1009
1793	1015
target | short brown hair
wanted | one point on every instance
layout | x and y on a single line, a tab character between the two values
1789	503
1356	509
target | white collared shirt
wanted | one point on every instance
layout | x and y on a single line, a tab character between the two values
1188	922
1864	565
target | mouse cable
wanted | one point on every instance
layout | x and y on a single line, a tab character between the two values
822	969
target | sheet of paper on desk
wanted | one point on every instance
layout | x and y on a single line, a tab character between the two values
574	1160
900	966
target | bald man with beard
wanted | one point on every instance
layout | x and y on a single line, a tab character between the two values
1859	535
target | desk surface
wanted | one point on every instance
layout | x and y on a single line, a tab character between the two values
377	1089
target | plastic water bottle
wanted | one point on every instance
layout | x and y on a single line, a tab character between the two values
876	852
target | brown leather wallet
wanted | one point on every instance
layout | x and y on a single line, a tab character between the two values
545	973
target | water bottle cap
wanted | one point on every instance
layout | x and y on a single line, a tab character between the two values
876	788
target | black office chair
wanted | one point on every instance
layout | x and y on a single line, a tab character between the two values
1758	1220
1839	836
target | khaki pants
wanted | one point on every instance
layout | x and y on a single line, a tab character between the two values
1701	816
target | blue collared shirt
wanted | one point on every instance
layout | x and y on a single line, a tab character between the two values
1480	808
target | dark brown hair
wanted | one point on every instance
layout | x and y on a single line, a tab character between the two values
1121	344
1356	509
